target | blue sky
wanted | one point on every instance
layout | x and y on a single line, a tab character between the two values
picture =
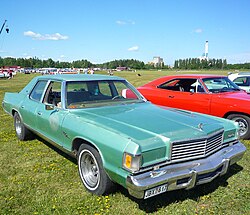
105	30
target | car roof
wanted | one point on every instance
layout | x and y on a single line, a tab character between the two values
195	76
78	77
169	77
244	74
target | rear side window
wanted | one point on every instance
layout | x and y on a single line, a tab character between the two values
38	90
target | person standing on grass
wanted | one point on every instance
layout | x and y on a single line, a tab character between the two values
10	75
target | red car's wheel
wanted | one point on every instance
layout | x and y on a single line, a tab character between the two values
244	123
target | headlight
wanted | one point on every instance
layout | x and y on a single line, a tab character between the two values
131	162
237	130
238	134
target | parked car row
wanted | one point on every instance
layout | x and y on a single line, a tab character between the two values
7	73
124	139
242	79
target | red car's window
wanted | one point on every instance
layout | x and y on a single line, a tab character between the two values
183	85
220	84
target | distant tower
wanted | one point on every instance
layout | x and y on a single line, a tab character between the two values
206	50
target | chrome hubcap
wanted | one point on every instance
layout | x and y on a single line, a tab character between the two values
243	125
18	125
89	170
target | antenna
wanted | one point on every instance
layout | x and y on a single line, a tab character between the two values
7	29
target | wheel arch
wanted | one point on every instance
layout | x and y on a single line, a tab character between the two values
77	142
235	112
13	111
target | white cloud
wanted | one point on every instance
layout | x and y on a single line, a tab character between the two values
9	56
122	22
132	22
198	30
28	57
134	48
119	22
238	58
37	36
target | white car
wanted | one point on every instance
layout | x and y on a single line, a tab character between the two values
4	74
242	79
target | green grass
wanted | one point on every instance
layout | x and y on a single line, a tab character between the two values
35	178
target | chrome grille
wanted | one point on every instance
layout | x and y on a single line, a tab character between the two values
196	148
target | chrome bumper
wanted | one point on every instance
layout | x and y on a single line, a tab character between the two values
188	174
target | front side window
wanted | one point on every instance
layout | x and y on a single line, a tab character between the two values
53	94
82	94
38	90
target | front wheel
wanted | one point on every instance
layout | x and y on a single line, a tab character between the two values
244	124
91	171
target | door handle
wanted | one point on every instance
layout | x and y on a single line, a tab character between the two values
22	106
171	97
39	113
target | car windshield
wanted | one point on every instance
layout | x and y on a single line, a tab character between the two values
83	94
220	84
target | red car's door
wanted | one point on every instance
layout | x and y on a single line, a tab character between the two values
181	93
198	102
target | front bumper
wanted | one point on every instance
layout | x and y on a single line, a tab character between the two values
186	175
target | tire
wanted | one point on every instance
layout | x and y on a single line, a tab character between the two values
244	123
22	132
92	174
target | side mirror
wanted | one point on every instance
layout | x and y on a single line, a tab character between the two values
49	107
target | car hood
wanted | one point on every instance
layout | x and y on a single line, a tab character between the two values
144	121
242	96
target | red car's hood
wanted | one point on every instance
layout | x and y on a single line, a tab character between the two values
236	95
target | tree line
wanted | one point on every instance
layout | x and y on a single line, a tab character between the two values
197	64
182	64
49	63
38	63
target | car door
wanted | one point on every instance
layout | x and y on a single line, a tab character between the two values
29	105
50	114
197	102
187	94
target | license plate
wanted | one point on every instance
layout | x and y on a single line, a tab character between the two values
155	191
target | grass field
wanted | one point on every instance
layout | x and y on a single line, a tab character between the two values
35	178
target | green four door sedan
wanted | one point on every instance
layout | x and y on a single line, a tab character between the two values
146	148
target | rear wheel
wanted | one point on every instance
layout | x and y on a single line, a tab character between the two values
22	132
244	123
91	171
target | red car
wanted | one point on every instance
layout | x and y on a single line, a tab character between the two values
209	94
